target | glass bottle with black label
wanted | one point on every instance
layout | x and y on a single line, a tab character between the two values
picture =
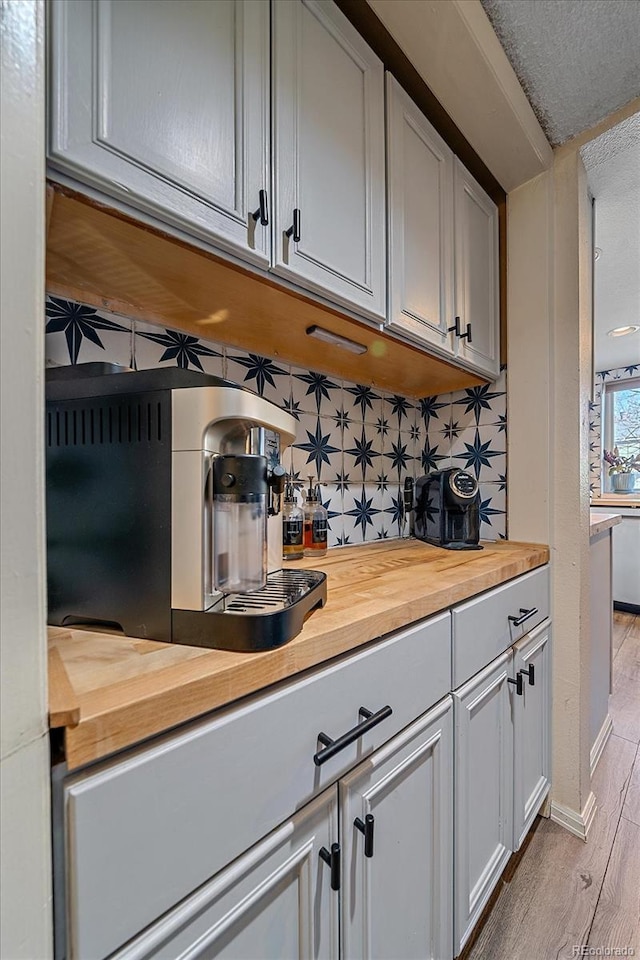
292	525
315	523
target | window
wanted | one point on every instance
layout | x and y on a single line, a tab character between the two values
621	419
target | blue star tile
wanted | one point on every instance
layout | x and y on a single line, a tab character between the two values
478	454
316	445
451	430
261	374
180	349
362	448
291	406
395	511
343	480
399	411
366	403
382	482
430	459
341	418
382	426
319	387
428	408
493	512
399	455
362	511
80	325
476	400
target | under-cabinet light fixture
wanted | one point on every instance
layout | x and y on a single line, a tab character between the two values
623	331
321	334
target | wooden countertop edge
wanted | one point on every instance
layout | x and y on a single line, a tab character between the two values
64	708
153	704
600	522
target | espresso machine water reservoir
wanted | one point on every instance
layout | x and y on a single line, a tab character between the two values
163	509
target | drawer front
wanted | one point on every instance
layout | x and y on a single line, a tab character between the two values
145	831
482	629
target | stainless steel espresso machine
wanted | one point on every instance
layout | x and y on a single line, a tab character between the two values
163	503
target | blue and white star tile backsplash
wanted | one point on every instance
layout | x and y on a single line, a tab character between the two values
360	441
598	480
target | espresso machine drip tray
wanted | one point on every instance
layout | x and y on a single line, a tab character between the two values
261	620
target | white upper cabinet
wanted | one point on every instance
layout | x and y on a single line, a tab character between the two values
166	106
420	214
477	299
328	149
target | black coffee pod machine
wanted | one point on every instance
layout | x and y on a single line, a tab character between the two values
447	510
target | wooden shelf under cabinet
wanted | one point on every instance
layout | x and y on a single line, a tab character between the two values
102	257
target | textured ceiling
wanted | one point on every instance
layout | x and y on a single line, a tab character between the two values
612	162
577	60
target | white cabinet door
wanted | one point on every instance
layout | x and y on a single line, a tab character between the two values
483	805
420	218
328	128
164	104
274	902
397	900
532	729
476	274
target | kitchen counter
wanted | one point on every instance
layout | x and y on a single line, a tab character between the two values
602	521
109	691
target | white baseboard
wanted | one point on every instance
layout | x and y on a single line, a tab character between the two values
577	823
600	743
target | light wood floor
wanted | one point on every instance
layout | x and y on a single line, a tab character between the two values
560	893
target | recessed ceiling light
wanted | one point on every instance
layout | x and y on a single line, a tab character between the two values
623	331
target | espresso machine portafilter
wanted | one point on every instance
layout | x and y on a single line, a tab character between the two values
163	509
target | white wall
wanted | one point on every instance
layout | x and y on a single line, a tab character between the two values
25	879
548	392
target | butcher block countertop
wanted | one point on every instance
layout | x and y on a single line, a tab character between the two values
109	691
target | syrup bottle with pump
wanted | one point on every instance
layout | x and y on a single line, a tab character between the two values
315	523
292	525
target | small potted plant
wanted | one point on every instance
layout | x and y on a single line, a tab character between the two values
620	469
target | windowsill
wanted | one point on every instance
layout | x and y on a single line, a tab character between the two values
617	500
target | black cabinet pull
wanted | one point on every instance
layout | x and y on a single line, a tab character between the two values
458	333
331	747
367	829
294	229
455	327
262	213
517	682
531	673
333	860
524	615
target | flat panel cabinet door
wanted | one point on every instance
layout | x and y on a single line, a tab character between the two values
476	274
328	115
397	900
420	217
532	729
484	791
273	902
164	104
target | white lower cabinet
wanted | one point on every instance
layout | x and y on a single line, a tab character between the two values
484	790
361	810
531	729
272	903
282	899
395	814
502	762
